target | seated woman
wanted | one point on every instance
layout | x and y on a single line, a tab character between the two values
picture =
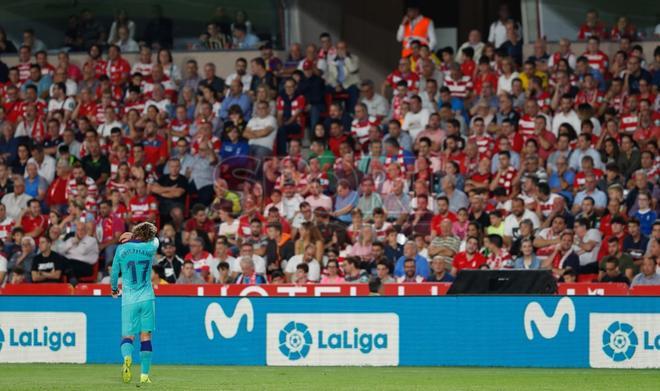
528	259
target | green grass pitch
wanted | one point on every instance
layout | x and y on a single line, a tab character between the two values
168	377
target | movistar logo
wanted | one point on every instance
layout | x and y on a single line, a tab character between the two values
548	326
620	341
53	340
227	326
295	340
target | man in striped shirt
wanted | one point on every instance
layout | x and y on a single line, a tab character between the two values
460	86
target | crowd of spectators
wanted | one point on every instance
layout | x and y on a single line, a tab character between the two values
296	170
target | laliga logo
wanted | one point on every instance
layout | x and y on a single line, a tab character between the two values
228	325
548	326
620	341
37	338
295	340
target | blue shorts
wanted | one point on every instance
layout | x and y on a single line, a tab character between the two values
138	317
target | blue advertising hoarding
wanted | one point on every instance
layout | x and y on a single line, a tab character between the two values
517	331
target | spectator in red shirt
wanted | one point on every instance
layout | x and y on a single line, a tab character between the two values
32	221
402	73
108	228
199	221
116	68
592	27
155	146
468	259
142	206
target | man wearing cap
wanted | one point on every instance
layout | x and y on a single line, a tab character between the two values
170	262
439	273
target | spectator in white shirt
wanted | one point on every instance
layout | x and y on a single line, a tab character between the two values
240	72
587	244
513	220
417	118
60	76
497	34
430	96
82	253
566	114
290	201
125	42
247	250
121	20
159	100
111	122
261	131
376	104
474	42
306	257
45	163
17	201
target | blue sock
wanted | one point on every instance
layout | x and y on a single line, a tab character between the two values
145	357
126	347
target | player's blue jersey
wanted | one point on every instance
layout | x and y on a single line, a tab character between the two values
134	260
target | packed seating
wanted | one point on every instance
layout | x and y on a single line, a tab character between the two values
294	168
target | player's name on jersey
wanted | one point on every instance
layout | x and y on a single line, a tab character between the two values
138	251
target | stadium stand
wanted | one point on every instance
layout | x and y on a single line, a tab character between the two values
293	169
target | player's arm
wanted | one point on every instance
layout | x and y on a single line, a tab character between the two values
114	274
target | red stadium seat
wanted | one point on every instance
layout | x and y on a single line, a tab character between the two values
587	278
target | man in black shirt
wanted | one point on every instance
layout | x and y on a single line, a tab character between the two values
170	263
96	164
171	189
260	75
279	248
217	84
612	272
47	266
6	183
312	87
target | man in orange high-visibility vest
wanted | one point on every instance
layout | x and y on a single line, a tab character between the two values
415	27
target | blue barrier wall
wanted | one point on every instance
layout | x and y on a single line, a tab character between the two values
472	331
